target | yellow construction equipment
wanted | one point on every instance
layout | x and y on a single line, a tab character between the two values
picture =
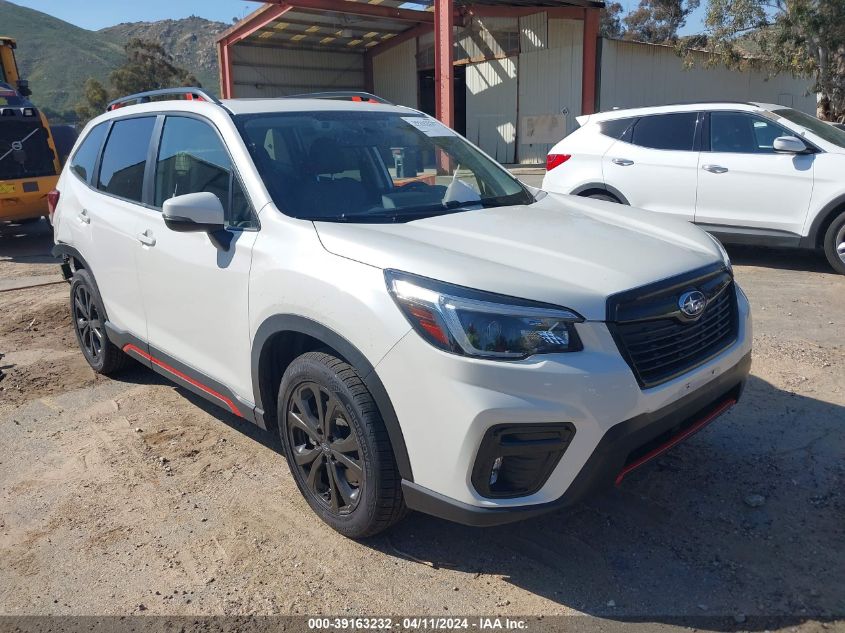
29	163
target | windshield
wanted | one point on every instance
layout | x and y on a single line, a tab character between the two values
814	125
373	167
24	149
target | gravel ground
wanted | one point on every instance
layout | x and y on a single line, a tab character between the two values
133	496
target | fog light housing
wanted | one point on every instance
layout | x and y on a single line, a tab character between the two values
516	460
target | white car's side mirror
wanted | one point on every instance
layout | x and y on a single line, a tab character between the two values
789	145
194	212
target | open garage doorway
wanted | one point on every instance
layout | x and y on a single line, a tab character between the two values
428	95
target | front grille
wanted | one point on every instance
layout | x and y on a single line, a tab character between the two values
658	341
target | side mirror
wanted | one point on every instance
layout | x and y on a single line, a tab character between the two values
789	145
194	212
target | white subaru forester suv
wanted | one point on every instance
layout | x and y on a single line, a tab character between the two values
749	173
424	331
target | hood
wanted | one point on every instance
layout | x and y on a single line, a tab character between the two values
565	250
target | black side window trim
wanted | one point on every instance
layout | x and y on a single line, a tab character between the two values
152	162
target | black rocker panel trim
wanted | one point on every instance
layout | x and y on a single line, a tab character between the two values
183	375
283	323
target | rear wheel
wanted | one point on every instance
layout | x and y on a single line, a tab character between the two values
89	324
834	244
337	446
603	196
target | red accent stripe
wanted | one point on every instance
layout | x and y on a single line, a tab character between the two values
680	437
136	350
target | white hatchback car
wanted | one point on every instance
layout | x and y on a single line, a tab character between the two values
749	173
424	331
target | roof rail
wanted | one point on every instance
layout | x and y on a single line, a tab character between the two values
188	94
343	95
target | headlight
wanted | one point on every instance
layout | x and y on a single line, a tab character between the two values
726	259
480	324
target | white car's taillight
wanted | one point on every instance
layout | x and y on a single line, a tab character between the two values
556	160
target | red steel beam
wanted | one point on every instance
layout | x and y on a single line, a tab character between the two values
253	23
227	85
358	8
444	69
588	79
386	45
490	11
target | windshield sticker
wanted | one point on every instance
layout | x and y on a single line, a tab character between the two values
428	126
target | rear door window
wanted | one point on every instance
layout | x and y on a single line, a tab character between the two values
86	156
666	131
193	159
125	158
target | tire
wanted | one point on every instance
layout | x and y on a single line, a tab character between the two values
342	460
603	196
834	244
89	325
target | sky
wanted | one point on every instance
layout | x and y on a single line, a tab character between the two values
97	14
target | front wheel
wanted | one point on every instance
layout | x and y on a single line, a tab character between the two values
337	446
834	244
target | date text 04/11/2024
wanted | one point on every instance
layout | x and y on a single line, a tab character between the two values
417	623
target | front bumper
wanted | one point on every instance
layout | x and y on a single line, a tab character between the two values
609	461
446	404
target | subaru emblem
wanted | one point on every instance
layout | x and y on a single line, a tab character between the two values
692	303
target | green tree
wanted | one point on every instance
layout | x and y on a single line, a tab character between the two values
95	99
611	21
802	37
658	21
147	67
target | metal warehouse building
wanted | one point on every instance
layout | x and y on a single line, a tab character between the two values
510	75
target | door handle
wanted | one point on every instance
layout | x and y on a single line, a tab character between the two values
146	238
714	169
622	162
84	217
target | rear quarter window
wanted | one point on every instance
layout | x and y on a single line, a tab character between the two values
85	158
618	128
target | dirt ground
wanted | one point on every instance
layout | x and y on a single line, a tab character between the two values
132	496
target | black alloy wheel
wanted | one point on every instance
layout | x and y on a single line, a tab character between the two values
325	448
337	446
88	323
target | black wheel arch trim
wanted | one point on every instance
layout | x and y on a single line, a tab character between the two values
829	212
591	186
603	465
65	252
282	323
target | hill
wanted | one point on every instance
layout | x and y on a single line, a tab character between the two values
58	57
55	56
190	41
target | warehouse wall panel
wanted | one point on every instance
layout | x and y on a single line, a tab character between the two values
277	72
635	74
395	74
